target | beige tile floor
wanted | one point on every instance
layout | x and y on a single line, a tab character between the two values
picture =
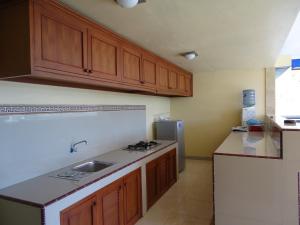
188	202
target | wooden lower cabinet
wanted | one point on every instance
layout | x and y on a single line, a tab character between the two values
82	213
111	202
132	197
152	182
116	204
172	168
161	174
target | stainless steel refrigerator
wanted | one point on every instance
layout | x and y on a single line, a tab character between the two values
172	130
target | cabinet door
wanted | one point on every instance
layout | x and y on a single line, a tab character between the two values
181	83
131	65
162	174
104	56
110	201
173	80
188	85
132	197
163	77
60	41
149	71
83	213
152	182
172	167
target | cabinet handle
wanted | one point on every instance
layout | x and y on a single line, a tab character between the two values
85	70
142	82
90	71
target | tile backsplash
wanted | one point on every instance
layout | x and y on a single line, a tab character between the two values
34	144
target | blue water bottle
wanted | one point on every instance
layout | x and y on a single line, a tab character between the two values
248	98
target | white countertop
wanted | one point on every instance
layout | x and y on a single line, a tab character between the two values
44	190
248	144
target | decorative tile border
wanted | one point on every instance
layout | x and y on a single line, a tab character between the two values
34	109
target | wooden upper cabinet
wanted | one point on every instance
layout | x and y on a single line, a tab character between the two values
188	85
45	42
104	55
170	80
173	76
181	83
131	59
82	213
149	70
110	209
163	77
132	197
60	40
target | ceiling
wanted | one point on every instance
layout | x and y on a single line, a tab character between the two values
291	46
227	34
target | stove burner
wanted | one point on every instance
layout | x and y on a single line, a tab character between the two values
142	146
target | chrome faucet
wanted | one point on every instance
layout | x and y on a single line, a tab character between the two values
73	146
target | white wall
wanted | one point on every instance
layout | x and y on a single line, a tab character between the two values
32	145
216	107
20	93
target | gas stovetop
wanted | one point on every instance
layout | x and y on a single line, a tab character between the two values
142	146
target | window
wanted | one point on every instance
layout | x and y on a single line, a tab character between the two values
287	86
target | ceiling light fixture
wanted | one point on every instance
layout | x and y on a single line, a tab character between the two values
190	55
129	3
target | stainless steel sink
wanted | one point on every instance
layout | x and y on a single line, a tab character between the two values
92	166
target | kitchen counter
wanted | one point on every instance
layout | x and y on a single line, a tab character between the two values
46	189
253	173
249	144
248	180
